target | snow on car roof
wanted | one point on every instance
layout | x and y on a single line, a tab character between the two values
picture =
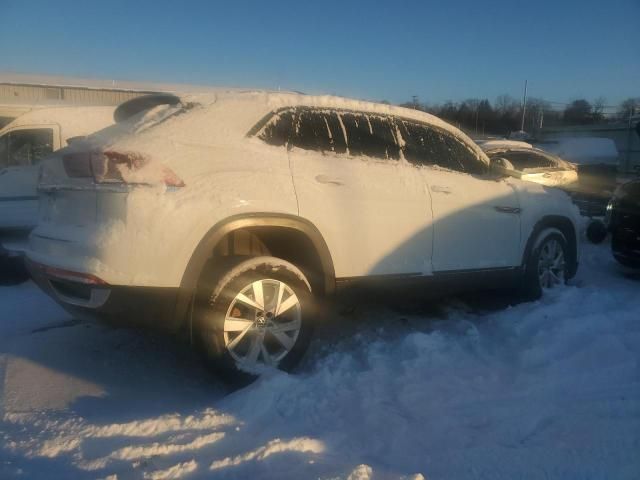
503	145
268	101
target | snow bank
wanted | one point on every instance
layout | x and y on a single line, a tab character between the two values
465	389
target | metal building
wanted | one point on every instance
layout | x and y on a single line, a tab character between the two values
21	93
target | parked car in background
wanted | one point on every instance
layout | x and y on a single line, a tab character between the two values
23	144
232	216
523	161
623	221
596	161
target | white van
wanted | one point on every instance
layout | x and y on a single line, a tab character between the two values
23	143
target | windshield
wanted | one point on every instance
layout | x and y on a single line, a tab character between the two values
528	159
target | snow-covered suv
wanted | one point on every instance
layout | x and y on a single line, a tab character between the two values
230	215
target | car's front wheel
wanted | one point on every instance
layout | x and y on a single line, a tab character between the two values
257	313
546	267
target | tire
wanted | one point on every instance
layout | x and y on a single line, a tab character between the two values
546	266
237	336
596	232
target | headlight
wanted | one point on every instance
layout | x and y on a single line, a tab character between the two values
608	213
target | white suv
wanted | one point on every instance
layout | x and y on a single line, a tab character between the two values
230	215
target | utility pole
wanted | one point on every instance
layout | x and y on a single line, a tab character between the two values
541	117
629	141
524	105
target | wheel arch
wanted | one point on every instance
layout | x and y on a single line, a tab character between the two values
567	228
274	230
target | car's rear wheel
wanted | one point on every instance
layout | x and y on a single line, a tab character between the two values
546	267
256	313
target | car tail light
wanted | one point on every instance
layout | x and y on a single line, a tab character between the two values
119	167
63	274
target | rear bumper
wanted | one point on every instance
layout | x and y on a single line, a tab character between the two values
123	306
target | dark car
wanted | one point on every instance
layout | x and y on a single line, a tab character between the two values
623	221
596	161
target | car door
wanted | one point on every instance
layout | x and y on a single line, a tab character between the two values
350	182
476	219
21	150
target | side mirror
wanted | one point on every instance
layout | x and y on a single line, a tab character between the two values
502	166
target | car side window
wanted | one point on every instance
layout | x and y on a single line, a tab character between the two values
427	145
279	130
371	135
522	160
333	131
334	126
318	130
28	147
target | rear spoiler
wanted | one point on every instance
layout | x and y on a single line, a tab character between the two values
136	105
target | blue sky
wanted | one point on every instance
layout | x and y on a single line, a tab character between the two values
376	50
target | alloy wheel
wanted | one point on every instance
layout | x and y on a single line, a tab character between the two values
551	264
262	323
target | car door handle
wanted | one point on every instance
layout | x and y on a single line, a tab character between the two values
327	180
501	209
440	189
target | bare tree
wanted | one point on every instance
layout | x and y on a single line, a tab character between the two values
506	105
598	109
629	107
578	112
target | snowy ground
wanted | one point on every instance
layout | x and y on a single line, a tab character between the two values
462	390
